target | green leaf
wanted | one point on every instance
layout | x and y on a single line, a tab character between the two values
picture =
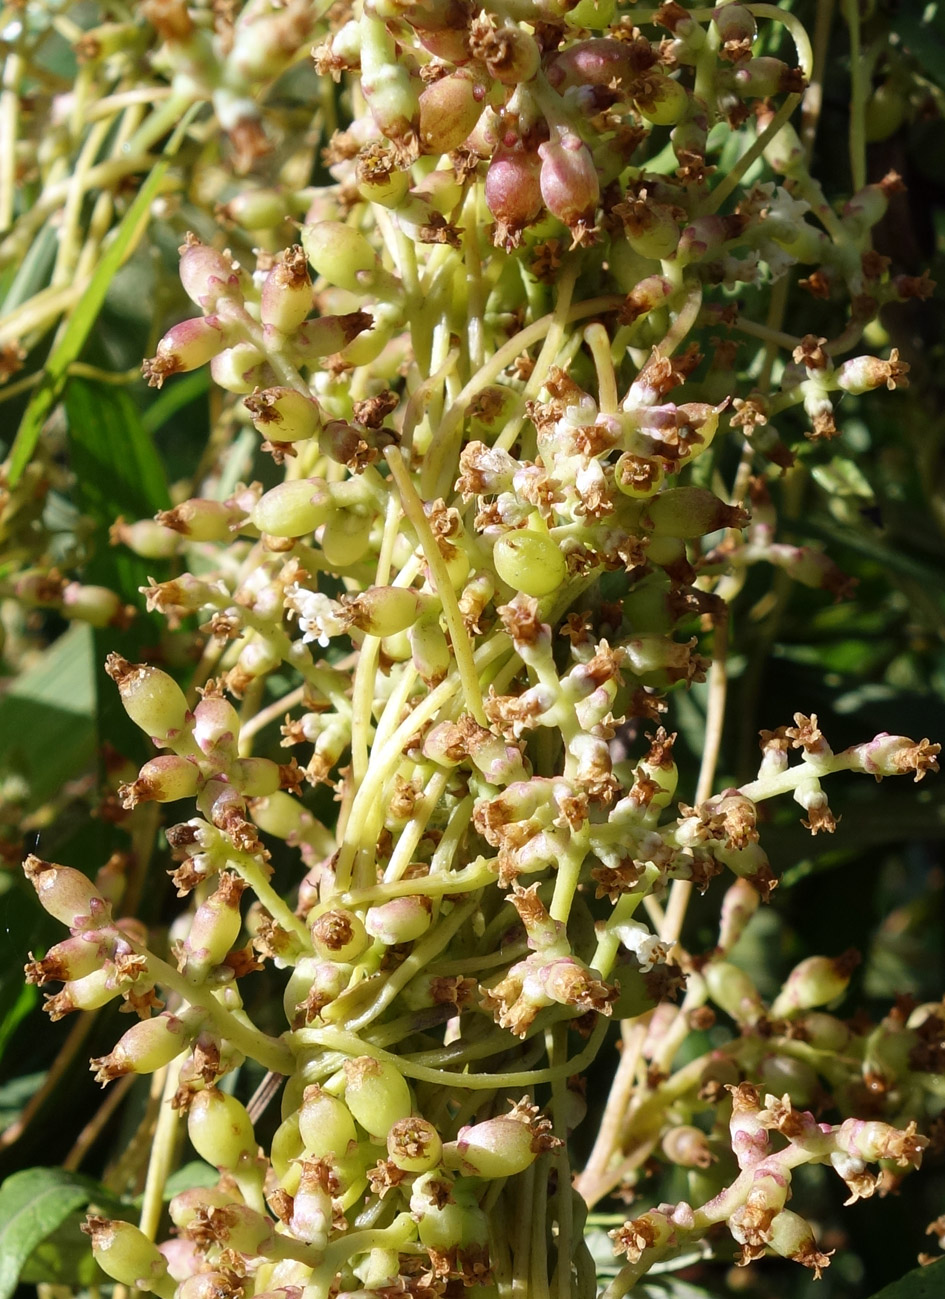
15	1094
80	323
47	729
25	1000
64	1258
196	1173
920	1283
33	1204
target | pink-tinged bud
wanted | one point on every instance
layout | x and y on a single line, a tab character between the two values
184	1261
126	1255
208	275
733	991
152	699
414	1145
329	334
688	512
499	1147
146	1047
284	414
188	1205
863	373
311	1218
293	509
568	179
763	77
216	728
402	920
736	26
376	1093
220	1129
895	755
73	958
874	1140
596	62
645	297
286	297
339	935
214	929
187	346
785	153
202	520
813	568
513	193
161	780
815	982
449	109
239	368
145	537
66	894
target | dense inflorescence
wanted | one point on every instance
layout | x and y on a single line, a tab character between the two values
493	555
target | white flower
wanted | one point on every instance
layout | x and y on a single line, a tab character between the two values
319	617
643	944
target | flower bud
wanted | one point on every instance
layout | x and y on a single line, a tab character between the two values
283	414
208	275
293	509
346	537
815	982
568	179
763	77
311	1218
312	986
340	255
214	929
124	1253
89	992
186	346
664	102
220	1129
792	1237
152	699
161	780
513	192
733	991
785	153
448	1214
216	728
414	1145
687	1146
286	296
339	935
66	894
388	85
73	958
401	920
688	512
648	294
202	520
239	368
530	561
863	373
376	1093
430	649
145	537
326	1126
499	1147
146	1047
449	109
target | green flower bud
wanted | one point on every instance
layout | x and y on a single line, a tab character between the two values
377	1094
815	982
733	990
346	537
284	414
152	699
414	1145
402	920
341	255
202	520
293	509
215	928
126	1255
339	935
688	512
147	1046
286	297
664	102
530	561
325	1124
220	1129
